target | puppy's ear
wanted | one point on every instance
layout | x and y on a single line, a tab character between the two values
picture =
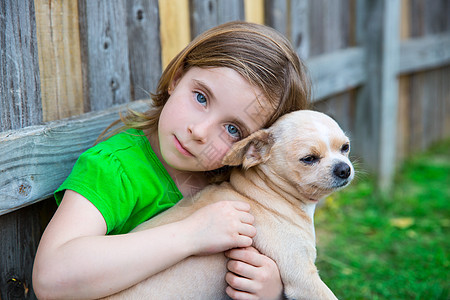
251	151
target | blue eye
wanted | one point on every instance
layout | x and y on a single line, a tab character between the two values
200	98
233	131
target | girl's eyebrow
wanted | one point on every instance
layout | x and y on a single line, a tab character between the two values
204	87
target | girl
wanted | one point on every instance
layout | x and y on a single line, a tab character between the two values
227	83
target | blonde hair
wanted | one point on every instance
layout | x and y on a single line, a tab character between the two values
259	53
262	55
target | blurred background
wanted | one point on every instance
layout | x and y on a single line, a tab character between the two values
381	68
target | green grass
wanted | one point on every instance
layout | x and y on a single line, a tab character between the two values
395	246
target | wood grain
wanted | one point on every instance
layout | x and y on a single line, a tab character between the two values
20	232
144	47
207	14
20	92
59	58
254	11
20	106
429	52
337	72
275	12
377	101
37	159
175	29
104	44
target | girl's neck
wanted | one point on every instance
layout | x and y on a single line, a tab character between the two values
188	182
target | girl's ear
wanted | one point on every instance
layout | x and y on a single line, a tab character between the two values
175	80
251	151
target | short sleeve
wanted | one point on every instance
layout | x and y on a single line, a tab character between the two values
99	177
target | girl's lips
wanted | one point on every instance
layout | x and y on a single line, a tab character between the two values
180	147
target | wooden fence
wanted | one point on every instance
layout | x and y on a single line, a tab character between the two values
380	67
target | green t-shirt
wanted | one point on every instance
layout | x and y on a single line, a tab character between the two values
124	179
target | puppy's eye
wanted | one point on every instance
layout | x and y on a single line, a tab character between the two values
309	159
345	148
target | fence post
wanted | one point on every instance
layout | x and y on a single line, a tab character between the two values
20	106
377	101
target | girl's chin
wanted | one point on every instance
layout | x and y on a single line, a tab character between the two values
190	164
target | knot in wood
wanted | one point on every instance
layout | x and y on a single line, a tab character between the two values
16	288
140	14
114	83
24	189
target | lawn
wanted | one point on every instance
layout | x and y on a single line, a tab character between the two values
395	246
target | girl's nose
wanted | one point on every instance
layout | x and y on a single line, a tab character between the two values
199	131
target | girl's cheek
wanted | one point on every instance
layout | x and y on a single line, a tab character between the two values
216	160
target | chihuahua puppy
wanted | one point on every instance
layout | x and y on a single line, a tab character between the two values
286	169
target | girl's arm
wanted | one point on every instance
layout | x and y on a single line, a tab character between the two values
252	275
75	258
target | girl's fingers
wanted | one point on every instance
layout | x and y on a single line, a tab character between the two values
243	206
239	283
244	241
246	218
242	269
237	295
253	273
248	255
247	230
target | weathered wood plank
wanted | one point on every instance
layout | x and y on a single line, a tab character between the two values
20	232
367	109
175	29
340	109
416	113
317	30
275	12
332	24
423	53
376	106
36	159
429	17
207	14
299	27
230	10
429	97
329	25
59	58
104	45
389	93
403	127
404	89
337	72
20	95
144	47
445	101
20	106
254	11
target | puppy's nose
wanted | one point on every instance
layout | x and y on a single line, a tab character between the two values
342	170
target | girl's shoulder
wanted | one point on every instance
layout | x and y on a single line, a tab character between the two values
127	154
122	172
126	147
124	140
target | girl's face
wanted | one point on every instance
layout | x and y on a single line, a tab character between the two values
208	110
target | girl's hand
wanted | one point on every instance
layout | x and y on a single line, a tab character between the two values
221	226
252	275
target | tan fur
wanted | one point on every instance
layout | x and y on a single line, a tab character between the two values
282	191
